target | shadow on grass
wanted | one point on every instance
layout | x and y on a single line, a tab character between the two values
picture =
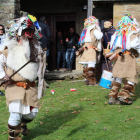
51	123
137	91
74	131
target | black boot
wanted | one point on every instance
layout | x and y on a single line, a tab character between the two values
24	129
14	132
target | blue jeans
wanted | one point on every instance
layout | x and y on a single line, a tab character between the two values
70	55
59	55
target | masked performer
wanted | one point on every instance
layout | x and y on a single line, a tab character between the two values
124	47
22	95
90	40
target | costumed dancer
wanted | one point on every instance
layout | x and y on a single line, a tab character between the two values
124	47
90	40
22	94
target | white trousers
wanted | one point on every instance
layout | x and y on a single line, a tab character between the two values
15	118
90	64
119	80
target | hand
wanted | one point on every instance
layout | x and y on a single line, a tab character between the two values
108	43
6	77
77	53
61	42
74	47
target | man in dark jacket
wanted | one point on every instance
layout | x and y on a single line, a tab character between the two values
61	50
45	41
71	45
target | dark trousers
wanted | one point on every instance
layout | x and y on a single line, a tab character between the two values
70	55
59	55
47	59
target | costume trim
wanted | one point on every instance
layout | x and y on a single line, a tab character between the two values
116	41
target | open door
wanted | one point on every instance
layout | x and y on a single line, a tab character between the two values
56	23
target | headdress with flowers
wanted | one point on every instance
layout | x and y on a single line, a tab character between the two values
126	25
20	24
88	22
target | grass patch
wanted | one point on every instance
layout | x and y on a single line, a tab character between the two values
80	115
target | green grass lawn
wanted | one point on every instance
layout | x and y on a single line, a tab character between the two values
80	115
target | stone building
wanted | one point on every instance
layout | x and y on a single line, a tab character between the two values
62	14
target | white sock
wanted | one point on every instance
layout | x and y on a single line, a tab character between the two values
131	83
119	80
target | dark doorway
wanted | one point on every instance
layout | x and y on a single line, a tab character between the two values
64	27
58	23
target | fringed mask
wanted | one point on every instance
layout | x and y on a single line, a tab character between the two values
29	34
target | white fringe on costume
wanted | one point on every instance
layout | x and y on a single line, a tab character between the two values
88	63
129	44
18	56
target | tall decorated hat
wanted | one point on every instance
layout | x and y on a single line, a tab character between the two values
87	23
20	24
126	25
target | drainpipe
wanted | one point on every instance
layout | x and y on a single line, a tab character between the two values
89	7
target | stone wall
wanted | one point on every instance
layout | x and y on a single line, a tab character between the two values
7	8
122	8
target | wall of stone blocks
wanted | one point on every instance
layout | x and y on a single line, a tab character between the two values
7	8
121	8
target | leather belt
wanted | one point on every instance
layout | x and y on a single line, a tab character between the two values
92	47
124	53
25	85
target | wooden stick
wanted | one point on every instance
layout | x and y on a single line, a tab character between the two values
105	58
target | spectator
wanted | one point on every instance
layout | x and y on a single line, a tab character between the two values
71	44
111	20
107	33
45	41
60	50
2	34
2	39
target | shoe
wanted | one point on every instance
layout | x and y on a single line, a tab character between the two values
2	94
63	69
113	101
71	68
67	70
47	71
125	101
86	82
